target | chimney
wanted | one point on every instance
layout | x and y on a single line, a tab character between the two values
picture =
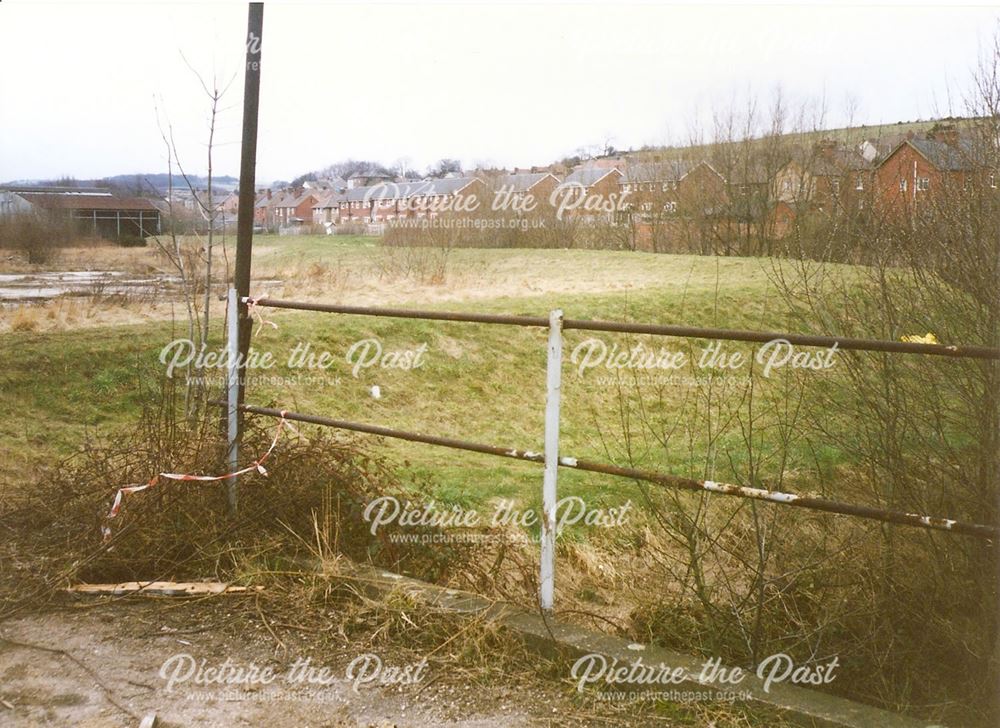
825	148
269	193
946	133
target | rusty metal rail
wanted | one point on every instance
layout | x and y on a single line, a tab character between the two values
551	457
671	481
694	332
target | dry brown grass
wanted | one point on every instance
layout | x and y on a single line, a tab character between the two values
305	512
24	319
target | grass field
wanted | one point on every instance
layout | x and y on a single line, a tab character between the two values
69	383
483	383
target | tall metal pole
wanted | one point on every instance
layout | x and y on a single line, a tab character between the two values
553	386
248	169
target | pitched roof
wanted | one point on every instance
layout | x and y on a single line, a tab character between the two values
276	200
328	200
405	190
669	171
523	181
287	198
752	172
839	161
589	176
829	161
885	144
296	200
74	201
944	156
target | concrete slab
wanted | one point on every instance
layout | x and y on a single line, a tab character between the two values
553	638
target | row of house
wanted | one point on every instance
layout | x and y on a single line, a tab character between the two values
827	177
903	176
382	199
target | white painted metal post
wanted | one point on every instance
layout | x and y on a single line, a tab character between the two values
232	388
553	386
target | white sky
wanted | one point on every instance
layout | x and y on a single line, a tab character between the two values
510	84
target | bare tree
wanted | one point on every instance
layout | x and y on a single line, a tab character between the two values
177	253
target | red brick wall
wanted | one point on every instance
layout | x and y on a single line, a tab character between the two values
906	163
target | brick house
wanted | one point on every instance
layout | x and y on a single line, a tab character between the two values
327	207
921	169
272	204
828	178
294	208
665	200
230	205
592	194
426	199
520	186
677	187
824	178
262	209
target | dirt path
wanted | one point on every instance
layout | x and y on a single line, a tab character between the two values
102	667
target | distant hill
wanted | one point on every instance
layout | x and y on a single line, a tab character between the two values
845	135
142	183
162	181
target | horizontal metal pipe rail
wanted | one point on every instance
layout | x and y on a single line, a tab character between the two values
899	347
672	481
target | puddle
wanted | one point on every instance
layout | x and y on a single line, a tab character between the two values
18	288
27	287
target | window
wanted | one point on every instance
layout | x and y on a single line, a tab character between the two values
835	186
923	184
902	185
859	183
993	181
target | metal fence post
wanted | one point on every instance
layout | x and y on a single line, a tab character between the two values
233	388
248	171
553	386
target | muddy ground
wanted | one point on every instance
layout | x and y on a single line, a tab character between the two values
93	666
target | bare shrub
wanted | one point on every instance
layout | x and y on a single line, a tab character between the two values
425	264
35	236
181	530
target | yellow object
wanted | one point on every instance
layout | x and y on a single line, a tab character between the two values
928	339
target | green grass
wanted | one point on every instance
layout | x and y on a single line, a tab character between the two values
481	383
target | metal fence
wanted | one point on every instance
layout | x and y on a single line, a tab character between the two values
550	457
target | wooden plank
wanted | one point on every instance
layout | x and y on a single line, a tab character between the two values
162	588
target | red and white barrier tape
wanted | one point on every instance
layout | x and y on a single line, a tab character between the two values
254	312
256	465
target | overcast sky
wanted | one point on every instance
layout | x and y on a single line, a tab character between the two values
509	84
